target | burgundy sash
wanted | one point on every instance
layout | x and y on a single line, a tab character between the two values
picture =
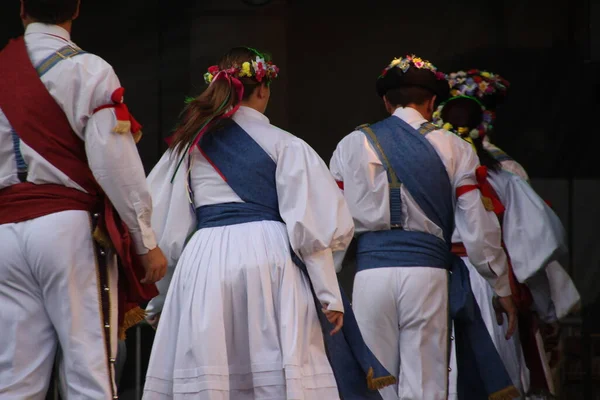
42	124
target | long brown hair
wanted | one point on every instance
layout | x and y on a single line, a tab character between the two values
215	100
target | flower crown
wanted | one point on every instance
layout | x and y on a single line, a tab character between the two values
476	133
476	83
259	69
412	61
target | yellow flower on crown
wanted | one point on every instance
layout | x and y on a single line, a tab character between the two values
447	126
416	60
395	62
246	71
463	129
486	74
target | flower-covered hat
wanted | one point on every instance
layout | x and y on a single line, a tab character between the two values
259	69
485	88
488	87
412	71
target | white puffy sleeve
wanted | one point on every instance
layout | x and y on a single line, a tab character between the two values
533	234
363	177
173	219
479	229
317	218
112	157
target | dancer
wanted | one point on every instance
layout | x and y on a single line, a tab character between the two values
67	156
533	237
399	178
250	216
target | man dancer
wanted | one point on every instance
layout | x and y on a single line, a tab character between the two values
400	177
67	156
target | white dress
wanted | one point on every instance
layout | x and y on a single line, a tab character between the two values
535	240
239	320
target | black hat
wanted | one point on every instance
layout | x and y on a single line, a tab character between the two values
413	71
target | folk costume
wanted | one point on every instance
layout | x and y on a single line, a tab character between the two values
399	177
249	223
532	235
69	168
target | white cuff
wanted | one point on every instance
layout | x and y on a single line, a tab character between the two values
502	286
324	280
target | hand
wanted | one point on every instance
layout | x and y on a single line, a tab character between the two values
153	321
155	264
506	305
551	335
336	318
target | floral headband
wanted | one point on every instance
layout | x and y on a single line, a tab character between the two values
412	61
258	69
476	83
478	132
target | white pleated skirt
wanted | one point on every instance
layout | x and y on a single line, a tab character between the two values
239	322
509	350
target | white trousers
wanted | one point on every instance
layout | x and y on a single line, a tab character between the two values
403	315
49	296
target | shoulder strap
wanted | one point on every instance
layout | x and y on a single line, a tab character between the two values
420	169
37	119
427	127
394	182
56	57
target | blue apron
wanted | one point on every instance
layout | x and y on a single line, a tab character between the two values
412	161
250	172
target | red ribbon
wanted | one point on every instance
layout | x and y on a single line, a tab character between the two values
236	86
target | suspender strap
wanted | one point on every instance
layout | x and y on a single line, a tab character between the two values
427	127
42	68
394	182
56	57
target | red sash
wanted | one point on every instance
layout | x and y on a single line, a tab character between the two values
527	320
42	124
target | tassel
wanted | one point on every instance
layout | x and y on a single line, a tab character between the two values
508	393
487	203
379	383
132	318
137	136
101	237
122	127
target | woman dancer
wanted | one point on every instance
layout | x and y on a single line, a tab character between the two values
533	237
254	300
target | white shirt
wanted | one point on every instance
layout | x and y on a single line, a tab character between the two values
316	216
79	85
366	189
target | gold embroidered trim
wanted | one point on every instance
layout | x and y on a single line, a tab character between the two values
381	382
508	393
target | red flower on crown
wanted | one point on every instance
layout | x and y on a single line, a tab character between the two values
213	70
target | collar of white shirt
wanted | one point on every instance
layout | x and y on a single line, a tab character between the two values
55	30
251	113
410	116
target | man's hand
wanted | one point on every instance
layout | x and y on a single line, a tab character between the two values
155	264
505	305
336	318
551	335
153	321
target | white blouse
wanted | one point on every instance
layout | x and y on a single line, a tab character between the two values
316	216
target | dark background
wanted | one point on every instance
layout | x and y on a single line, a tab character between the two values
330	53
